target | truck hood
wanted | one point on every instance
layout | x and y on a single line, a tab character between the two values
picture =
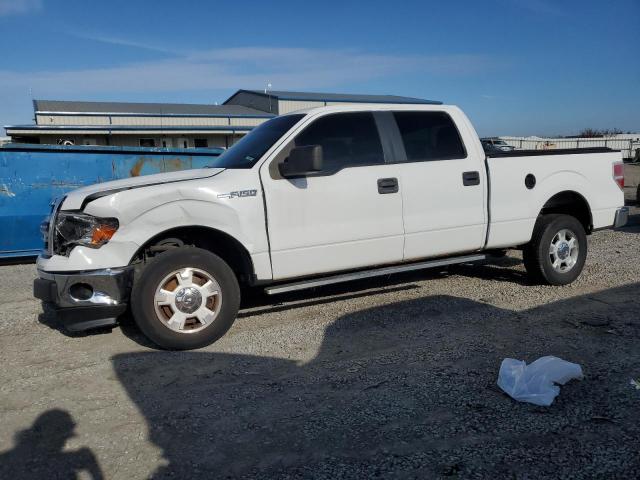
76	199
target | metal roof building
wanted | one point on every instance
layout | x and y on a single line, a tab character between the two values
170	125
137	124
281	102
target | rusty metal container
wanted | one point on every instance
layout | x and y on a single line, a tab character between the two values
32	176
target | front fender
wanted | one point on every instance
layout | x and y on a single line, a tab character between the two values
187	213
134	234
147	212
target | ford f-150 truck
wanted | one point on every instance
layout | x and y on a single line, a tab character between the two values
314	197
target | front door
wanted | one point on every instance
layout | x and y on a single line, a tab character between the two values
347	216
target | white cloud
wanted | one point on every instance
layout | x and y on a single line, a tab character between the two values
19	7
124	42
249	67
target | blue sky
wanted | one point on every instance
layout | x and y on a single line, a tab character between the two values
519	67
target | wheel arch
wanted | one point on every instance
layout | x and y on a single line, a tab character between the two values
570	202
216	241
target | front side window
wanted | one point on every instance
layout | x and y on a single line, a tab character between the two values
347	139
429	136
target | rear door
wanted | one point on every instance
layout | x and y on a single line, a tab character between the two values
443	186
347	216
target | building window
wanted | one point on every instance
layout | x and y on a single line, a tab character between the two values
147	142
200	143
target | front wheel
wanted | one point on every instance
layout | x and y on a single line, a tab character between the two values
185	298
557	250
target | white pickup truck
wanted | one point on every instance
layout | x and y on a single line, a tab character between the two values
314	197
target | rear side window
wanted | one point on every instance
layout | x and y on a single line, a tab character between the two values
347	139
429	136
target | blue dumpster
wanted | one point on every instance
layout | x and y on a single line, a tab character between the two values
32	176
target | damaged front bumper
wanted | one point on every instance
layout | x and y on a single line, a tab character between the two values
88	299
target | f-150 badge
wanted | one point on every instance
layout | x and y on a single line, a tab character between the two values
238	194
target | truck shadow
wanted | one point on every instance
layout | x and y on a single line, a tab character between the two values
499	269
401	390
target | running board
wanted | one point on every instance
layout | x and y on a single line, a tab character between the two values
376	272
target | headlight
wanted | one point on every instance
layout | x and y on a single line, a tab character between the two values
74	228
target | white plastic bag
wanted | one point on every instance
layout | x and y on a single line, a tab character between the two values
535	383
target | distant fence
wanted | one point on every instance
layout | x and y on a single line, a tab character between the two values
627	146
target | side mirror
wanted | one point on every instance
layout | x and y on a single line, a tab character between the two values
302	161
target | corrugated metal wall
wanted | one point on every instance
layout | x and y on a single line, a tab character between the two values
53	120
246	122
171	121
146	120
253	100
31	176
286	106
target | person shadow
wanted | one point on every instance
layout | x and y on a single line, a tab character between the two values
39	451
406	389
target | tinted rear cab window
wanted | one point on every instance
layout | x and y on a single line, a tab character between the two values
429	136
347	139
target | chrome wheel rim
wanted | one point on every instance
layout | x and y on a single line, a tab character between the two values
188	300
564	250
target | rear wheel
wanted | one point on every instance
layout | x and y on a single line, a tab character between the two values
185	298
557	251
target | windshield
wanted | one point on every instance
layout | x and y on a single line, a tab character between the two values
500	142
254	145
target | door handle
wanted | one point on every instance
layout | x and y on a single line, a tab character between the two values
470	178
387	185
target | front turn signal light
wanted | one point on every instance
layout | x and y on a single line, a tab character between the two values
102	234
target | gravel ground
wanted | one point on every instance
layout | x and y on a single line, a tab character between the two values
388	378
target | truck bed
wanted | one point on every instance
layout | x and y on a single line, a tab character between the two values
514	208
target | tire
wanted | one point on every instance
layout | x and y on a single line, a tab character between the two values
550	234
185	298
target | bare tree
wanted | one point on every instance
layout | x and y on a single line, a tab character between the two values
594	132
